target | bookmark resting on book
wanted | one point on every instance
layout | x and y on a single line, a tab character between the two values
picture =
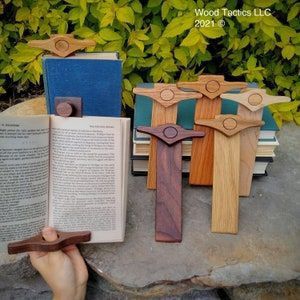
168	220
251	104
164	111
226	168
62	44
211	86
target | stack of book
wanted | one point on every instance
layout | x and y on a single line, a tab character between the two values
142	117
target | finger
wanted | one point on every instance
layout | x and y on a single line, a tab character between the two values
49	234
78	263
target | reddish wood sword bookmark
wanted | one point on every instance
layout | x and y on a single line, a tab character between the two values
211	86
164	111
168	220
37	243
251	103
225	197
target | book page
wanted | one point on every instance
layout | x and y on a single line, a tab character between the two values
85	176
24	167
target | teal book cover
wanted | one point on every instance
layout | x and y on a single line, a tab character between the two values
186	109
97	81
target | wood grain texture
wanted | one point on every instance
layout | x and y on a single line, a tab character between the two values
249	140
160	115
225	197
229	124
37	243
168	220
61	44
255	99
164	110
201	170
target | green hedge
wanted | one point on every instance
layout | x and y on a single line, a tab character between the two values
159	42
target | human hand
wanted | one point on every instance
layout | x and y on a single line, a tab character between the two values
64	271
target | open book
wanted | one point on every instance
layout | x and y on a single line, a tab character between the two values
70	173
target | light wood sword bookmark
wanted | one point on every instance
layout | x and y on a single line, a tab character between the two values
226	168
164	111
251	104
61	44
211	86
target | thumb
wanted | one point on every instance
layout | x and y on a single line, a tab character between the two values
49	234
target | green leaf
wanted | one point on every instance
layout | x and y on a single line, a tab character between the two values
264	3
178	25
238	71
62	27
192	38
84	32
127	98
2	90
284	81
179	4
22	14
109	35
251	63
126	15
180	54
268	30
156	30
137	6
297	117
165	8
213	32
271	21
294	11
288	51
244	42
278	119
288	106
153	3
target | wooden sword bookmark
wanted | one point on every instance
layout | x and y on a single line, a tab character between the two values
168	220
251	103
164	111
211	86
225	197
62	44
37	243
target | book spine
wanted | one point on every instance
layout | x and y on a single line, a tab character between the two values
45	79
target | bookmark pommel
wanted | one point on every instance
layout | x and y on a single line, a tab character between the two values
62	44
166	94
255	99
212	86
229	124
170	133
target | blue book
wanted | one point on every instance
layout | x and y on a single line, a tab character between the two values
185	116
95	77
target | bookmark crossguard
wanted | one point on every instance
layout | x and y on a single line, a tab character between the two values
62	44
211	86
226	167
251	103
164	111
168	207
37	243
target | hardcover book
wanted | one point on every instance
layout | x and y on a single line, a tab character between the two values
70	173
95	77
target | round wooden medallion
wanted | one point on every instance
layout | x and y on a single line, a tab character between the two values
229	123
62	45
255	99
212	86
64	109
170	132
167	95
